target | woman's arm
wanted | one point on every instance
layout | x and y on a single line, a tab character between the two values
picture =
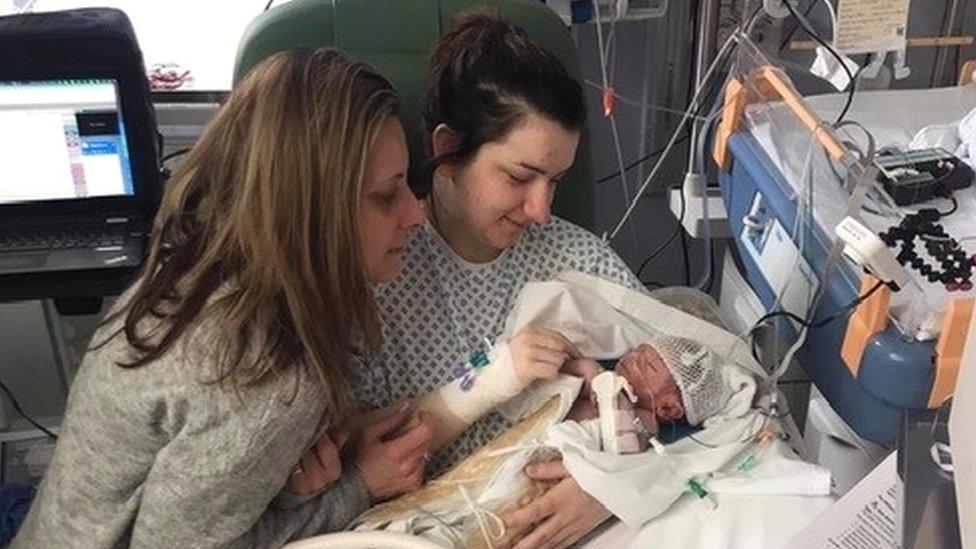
531	355
212	484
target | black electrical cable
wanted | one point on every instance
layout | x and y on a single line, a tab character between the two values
167	157
802	20
19	410
683	206
677	229
955	206
789	36
803	322
638	162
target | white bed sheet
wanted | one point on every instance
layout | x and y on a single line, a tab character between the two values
749	514
746	522
895	116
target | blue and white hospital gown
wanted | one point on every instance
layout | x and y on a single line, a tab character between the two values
443	308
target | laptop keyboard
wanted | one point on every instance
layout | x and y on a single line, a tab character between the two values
62	237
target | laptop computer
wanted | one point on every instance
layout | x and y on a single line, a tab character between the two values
68	196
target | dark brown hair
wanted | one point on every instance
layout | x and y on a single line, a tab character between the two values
487	75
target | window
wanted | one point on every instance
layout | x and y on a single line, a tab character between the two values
187	45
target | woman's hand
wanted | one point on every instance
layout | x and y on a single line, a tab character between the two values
561	516
539	354
391	452
320	466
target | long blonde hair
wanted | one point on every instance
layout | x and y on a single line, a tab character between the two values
266	207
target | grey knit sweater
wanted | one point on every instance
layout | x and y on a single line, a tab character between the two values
154	457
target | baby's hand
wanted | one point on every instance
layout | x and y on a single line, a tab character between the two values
585	406
320	466
539	354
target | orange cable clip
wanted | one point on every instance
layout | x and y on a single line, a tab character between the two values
609	101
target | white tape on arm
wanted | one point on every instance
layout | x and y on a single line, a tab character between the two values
475	394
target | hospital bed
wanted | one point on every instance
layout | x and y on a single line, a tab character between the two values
897	351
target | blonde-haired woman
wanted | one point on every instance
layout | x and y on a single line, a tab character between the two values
233	352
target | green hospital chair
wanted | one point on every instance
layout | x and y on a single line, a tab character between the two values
396	37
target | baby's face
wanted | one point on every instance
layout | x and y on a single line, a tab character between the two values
652	382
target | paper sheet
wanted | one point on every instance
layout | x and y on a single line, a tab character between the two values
963	439
868	26
867	516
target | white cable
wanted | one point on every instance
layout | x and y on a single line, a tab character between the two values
937	450
803	207
674	137
609	56
833	20
483	516
613	121
634	103
28	6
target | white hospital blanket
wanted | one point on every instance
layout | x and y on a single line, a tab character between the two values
896	116
739	522
606	320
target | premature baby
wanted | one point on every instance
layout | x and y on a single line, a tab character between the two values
662	381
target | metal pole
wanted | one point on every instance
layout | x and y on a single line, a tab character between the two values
59	346
707	42
948	28
705	50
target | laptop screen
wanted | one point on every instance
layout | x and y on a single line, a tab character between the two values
62	139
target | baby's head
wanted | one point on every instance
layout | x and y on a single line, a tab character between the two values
675	377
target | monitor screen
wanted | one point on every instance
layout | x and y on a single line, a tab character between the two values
62	139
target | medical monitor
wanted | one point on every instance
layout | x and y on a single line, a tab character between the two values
62	140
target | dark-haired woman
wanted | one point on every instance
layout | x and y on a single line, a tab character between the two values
505	120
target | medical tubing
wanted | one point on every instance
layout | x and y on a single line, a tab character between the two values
674	136
634	103
804	206
700	168
606	89
645	92
858	198
858	195
833	19
807	26
872	144
610	114
707	234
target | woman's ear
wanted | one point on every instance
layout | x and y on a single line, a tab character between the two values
445	141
